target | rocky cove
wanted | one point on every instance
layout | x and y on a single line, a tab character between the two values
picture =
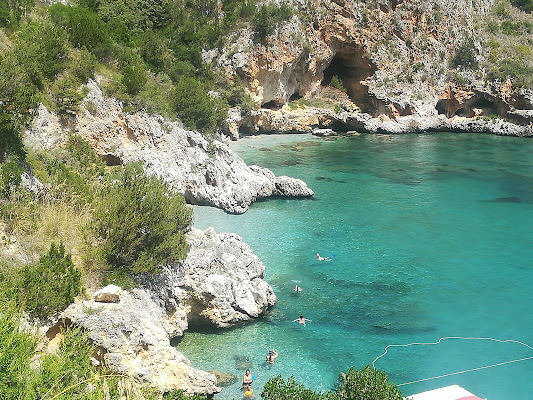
373	51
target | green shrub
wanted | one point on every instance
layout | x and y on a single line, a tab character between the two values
268	17
65	94
41	50
83	158
155	52
367	384
51	285
140	223
337	83
10	177
16	349
11	11
364	384
134	78
195	107
19	97
524	5
279	389
84	28
180	395
10	139
465	55
82	64
511	28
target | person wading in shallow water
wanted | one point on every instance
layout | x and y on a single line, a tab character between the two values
271	356
247	380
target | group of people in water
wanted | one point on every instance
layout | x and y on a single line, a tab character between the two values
248	378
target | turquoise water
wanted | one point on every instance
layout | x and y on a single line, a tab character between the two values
431	236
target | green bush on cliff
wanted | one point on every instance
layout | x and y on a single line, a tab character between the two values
140	223
525	5
364	384
49	286
465	56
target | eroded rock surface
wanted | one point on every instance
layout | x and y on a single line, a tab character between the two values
205	172
219	283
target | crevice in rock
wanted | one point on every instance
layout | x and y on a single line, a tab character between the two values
295	96
58	327
351	67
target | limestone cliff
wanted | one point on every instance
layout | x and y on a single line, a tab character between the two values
402	63
205	171
219	283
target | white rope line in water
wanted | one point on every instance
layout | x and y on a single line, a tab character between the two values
459	338
466	370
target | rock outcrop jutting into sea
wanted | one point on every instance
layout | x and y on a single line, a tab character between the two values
220	283
205	171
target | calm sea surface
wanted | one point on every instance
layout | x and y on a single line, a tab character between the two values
431	236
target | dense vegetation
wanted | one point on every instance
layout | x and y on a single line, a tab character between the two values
66	374
363	384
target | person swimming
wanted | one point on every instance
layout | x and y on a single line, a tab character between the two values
319	258
297	289
301	320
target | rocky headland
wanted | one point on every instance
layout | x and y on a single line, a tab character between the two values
220	283
204	170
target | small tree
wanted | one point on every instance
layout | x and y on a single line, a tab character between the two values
140	222
51	285
337	84
279	389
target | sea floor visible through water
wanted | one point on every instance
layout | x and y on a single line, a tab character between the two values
431	236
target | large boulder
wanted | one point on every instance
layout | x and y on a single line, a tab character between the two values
133	335
219	283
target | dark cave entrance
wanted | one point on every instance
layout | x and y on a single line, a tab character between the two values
273	105
351	67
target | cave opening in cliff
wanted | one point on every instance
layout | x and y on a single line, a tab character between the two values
351	67
272	105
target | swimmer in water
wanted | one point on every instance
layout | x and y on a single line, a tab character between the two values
319	258
247	380
297	289
301	320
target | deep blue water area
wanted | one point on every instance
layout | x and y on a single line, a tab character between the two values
431	236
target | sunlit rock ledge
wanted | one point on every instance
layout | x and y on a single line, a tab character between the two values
205	171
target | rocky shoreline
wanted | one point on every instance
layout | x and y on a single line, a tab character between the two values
205	171
325	122
220	283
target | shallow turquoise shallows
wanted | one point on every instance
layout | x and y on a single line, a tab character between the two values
431	236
